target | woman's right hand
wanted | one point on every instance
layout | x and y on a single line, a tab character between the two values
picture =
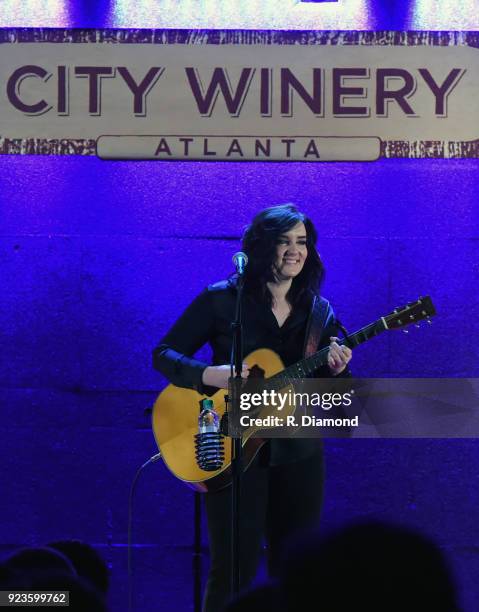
218	376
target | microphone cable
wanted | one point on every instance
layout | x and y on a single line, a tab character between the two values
152	459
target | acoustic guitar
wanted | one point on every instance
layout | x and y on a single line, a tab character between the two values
176	410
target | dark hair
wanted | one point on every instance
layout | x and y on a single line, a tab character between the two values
41	558
87	562
384	567
259	243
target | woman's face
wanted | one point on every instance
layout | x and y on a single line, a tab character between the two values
291	253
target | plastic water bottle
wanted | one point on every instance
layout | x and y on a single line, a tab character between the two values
209	440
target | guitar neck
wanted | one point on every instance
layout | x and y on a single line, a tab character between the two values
308	365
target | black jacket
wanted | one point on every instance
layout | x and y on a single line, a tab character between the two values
208	320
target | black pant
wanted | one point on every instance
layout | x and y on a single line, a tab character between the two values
275	503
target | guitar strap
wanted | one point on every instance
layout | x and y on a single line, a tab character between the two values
315	326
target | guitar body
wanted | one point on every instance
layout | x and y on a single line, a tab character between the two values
175	424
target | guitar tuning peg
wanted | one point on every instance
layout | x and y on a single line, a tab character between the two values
417	325
405	331
429	321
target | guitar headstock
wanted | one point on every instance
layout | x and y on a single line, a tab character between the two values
413	312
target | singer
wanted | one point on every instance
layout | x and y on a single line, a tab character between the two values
282	490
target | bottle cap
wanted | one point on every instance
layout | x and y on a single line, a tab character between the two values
207	404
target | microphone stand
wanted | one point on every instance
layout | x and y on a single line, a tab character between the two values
236	446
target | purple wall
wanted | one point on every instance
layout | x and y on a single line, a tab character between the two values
97	259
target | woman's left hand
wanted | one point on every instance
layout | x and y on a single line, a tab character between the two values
339	356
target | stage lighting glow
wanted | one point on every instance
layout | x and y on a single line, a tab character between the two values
445	15
34	14
245	14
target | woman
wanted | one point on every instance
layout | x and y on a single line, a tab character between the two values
282	489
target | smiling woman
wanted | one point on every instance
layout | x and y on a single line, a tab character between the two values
280	244
282	487
291	252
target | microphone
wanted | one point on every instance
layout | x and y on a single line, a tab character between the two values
240	261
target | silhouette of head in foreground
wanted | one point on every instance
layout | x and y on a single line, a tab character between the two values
47	569
370	566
